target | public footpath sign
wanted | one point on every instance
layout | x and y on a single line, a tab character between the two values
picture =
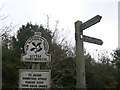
91	22
92	40
36	49
30	78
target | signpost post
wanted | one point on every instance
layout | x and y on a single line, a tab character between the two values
80	64
79	38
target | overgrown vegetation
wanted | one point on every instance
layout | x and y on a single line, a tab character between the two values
103	74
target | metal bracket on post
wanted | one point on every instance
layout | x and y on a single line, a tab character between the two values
81	35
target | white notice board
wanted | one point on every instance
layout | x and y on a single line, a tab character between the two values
34	78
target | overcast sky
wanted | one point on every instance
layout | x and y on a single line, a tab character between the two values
67	12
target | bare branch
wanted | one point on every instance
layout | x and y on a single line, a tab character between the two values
56	76
55	28
60	78
48	22
3	17
7	29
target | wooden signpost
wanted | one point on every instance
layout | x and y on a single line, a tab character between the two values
36	48
92	40
90	22
79	38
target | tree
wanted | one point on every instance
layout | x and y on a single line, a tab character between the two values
99	74
116	58
61	70
9	68
7	65
116	64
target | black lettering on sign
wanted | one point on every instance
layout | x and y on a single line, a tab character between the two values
30	74
39	82
33	85
26	78
30	82
43	86
24	85
35	56
37	75
33	78
29	59
42	78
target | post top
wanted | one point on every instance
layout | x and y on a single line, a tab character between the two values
78	21
37	33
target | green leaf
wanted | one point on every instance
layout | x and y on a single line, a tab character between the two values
33	44
39	50
32	49
38	43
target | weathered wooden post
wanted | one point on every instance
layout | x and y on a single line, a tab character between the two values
80	62
79	38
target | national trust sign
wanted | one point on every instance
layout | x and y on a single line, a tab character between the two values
36	49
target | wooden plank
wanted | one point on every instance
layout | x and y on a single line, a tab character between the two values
92	40
90	22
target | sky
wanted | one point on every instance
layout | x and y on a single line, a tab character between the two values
67	12
118	25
